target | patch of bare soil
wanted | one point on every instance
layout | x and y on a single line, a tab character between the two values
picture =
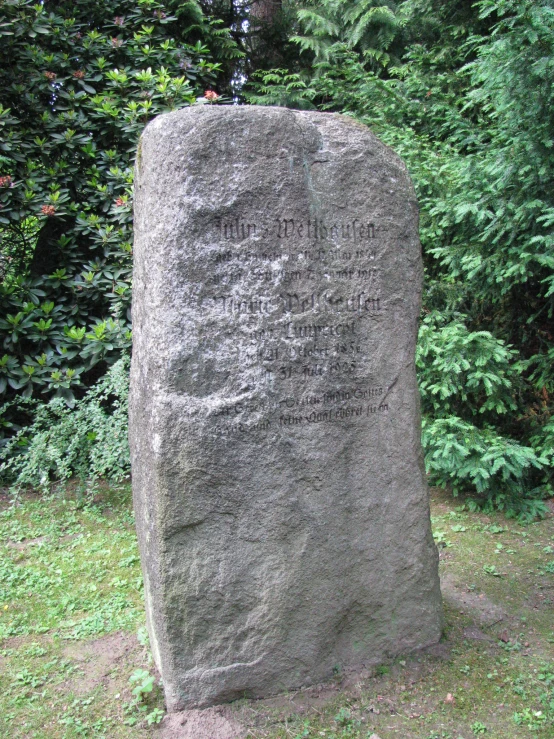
472	632
21	546
210	723
99	658
14	642
476	605
542	596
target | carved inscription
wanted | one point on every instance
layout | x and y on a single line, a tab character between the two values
309	291
289	228
299	303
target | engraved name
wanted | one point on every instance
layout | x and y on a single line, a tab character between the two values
296	304
287	228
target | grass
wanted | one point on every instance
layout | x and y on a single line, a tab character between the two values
70	610
74	660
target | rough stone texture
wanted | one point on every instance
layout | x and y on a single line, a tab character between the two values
280	499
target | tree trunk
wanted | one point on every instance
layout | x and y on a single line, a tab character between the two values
264	11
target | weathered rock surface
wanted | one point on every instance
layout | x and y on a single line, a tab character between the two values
280	499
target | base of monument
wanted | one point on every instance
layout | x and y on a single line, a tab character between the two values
203	693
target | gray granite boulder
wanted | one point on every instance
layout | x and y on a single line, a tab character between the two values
280	496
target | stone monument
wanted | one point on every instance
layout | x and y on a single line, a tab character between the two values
280	496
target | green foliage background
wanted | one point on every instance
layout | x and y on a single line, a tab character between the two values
78	83
463	92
